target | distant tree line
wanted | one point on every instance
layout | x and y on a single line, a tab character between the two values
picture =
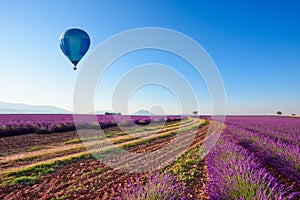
280	113
112	113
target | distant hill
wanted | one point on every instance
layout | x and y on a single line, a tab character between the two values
19	108
143	112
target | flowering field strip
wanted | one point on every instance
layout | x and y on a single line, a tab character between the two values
235	173
283	128
43	123
22	124
280	155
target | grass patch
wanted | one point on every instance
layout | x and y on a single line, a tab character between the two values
29	180
122	133
35	148
80	140
120	140
41	157
109	135
203	122
73	141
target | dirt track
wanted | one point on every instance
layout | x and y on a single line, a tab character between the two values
90	179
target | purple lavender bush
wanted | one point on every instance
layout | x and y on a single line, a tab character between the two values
163	187
235	173
281	155
18	124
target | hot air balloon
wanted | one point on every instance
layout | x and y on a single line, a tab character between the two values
74	43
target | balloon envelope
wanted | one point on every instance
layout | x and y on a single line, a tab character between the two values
74	43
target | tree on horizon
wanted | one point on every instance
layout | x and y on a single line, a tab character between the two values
279	112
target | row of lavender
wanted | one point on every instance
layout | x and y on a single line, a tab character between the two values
281	155
282	128
235	173
239	165
11	124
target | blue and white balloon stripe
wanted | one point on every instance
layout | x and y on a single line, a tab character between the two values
74	43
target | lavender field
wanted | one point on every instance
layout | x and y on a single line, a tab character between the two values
16	124
256	157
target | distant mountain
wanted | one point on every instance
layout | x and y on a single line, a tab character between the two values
143	112
19	108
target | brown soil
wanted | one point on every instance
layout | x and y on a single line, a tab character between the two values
90	179
13	144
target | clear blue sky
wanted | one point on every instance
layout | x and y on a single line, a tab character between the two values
255	45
